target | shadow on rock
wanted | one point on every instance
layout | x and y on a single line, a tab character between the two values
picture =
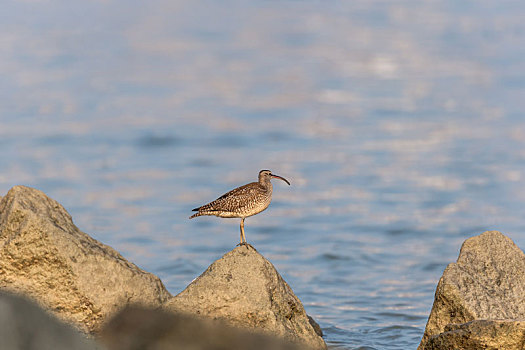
25	326
138	328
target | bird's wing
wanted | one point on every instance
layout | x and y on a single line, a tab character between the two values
233	200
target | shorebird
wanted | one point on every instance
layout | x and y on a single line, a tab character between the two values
243	201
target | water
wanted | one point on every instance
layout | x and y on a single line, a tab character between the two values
399	124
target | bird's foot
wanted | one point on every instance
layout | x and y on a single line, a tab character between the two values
247	245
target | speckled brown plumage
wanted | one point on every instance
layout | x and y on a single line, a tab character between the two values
243	201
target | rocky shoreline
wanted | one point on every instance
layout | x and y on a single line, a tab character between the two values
95	290
85	295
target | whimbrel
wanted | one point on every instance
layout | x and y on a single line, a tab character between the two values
243	201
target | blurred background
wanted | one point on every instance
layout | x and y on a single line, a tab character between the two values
399	124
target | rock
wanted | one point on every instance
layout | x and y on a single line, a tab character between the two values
25	326
315	326
138	328
245	290
45	256
480	334
486	282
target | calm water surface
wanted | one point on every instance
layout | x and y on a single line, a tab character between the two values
399	124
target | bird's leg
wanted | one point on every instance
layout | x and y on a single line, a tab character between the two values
242	228
241	234
243	237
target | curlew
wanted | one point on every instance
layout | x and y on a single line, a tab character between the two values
243	201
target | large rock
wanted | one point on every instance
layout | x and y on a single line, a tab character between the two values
245	290
45	256
139	329
486	282
480	334
25	326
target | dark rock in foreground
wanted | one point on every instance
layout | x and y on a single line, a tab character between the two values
486	283
45	256
140	329
25	326
245	290
481	334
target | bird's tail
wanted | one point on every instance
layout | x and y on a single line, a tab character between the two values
196	214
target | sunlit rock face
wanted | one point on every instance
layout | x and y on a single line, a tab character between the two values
43	255
486	283
245	290
480	334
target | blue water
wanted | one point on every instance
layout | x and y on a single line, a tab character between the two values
399	124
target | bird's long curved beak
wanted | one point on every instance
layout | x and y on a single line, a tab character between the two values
280	177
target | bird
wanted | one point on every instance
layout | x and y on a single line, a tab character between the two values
243	201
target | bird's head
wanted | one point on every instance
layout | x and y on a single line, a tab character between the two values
266	175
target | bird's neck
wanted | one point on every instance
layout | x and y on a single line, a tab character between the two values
266	184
